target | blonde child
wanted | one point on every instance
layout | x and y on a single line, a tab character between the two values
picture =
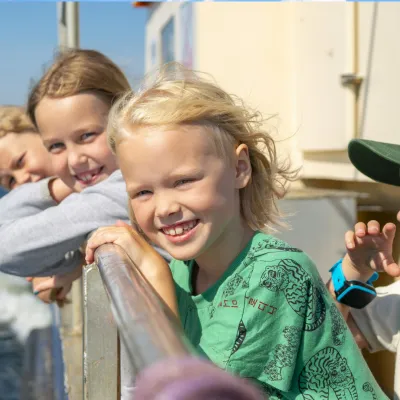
203	181
23	158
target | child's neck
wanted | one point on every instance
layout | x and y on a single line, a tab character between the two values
211	265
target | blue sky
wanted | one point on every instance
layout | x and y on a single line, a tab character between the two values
28	39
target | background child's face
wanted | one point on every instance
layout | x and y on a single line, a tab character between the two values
23	159
73	131
184	196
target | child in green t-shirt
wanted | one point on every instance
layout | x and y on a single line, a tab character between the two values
203	180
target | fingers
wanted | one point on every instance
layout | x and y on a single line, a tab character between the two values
49	283
89	254
46	296
373	227
100	237
122	224
122	234
349	238
29	279
392	268
389	231
64	291
360	229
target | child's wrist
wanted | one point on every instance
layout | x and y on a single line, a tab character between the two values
355	272
59	190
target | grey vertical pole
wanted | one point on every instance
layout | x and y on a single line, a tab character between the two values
72	19
68	25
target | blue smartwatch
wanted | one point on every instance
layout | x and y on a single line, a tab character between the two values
355	294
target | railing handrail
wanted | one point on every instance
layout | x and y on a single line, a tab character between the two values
147	327
155	356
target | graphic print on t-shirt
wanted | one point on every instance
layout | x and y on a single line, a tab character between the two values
275	244
284	355
338	326
241	335
367	387
325	370
301	294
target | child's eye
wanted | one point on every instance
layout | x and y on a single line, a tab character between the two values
183	182
142	193
11	183
20	161
87	136
55	147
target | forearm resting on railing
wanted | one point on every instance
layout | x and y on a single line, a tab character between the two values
162	282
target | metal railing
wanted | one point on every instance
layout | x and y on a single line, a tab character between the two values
148	331
153	344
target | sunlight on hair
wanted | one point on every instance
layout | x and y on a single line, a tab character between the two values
177	96
77	71
14	119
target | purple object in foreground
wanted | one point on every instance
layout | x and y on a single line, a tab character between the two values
191	378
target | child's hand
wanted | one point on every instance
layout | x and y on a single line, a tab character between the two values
150	263
55	287
49	295
369	249
129	239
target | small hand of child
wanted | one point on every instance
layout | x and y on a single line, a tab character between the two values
151	264
137	248
55	287
370	249
47	296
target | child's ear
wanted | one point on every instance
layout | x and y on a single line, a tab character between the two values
243	166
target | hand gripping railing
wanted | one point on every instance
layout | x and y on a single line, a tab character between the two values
160	357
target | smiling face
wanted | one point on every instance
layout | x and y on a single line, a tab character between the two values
73	131
185	197
23	159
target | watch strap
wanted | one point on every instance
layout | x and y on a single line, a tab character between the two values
339	280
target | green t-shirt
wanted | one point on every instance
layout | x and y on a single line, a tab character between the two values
269	318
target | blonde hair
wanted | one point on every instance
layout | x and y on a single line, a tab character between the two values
78	71
14	119
178	97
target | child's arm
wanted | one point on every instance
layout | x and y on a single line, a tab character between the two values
150	263
41	238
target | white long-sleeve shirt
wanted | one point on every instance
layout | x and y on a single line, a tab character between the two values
379	322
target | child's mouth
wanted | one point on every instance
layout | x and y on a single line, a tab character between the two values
89	177
180	232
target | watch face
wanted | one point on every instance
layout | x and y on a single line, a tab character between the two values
356	297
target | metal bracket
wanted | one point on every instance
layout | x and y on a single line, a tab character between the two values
351	80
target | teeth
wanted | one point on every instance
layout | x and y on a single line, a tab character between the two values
88	177
179	230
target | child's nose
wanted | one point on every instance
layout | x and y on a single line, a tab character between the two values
166	206
22	176
76	159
